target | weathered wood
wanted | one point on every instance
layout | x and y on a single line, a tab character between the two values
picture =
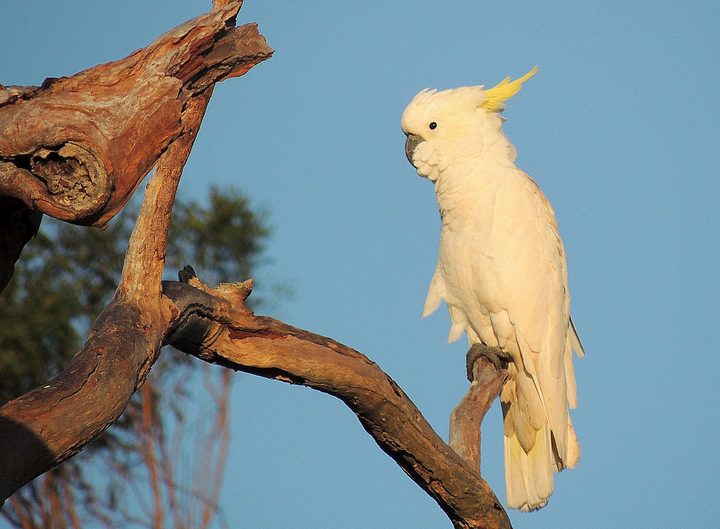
49	424
216	326
77	147
466	419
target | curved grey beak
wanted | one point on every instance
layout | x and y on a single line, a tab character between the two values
410	145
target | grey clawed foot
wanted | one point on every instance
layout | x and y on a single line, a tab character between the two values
495	355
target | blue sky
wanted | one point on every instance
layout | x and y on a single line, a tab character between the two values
620	129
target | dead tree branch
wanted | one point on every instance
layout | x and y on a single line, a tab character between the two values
487	380
76	148
214	325
19	225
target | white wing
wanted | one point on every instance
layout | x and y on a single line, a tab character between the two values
436	293
534	291
505	280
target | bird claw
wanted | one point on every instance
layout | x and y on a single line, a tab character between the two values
495	355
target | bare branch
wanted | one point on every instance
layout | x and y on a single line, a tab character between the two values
77	147
169	87
213	324
487	381
19	225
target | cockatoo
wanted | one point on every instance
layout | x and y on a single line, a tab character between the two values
502	273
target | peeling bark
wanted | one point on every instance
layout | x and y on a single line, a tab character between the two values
128	128
77	147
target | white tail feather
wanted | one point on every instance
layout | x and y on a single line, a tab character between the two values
529	476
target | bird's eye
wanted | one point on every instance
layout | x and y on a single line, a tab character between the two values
432	125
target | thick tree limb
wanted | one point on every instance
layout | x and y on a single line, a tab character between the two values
77	147
215	325
49	424
18	225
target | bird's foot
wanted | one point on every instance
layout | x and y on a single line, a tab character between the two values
495	355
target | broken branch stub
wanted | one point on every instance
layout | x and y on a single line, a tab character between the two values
77	147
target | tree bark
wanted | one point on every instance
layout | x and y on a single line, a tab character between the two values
100	133
487	381
76	148
19	225
214	325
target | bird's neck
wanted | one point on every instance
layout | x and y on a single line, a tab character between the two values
463	188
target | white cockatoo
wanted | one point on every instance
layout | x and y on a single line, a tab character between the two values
502	272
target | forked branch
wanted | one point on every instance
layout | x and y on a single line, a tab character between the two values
76	148
92	118
213	324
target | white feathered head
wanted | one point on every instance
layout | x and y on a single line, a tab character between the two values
442	126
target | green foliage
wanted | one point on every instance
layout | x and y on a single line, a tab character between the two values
64	279
67	275
223	242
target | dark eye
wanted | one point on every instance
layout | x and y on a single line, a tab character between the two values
432	125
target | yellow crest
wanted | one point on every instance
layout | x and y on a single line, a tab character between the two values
495	96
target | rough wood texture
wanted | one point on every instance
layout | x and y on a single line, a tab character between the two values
77	147
466	419
51	423
216	326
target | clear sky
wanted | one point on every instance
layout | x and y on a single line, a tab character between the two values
620	128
